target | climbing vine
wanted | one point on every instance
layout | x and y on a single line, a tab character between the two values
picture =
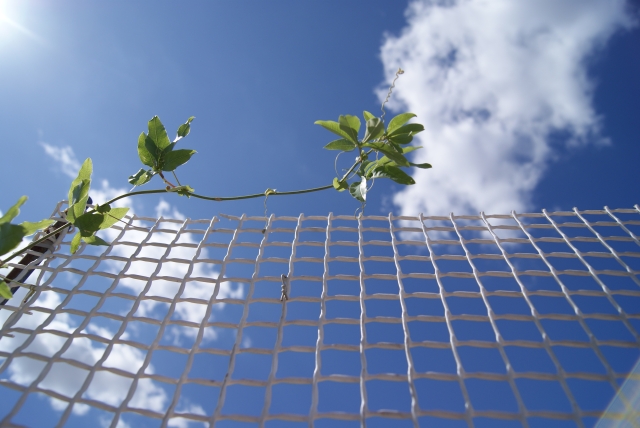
380	154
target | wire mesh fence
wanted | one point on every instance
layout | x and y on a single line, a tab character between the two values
488	320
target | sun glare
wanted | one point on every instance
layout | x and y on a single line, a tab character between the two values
8	25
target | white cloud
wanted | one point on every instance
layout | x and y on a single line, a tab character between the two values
492	81
66	379
105	386
187	311
65	158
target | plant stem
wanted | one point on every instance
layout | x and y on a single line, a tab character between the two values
165	180
195	195
261	195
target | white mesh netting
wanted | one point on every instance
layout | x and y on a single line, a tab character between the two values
488	320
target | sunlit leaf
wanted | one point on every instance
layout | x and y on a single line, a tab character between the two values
95	240
385	160
75	243
113	216
335	128
158	134
174	159
13	211
168	148
104	208
410	128
367	116
341	144
340	186
350	125
389	152
5	291
141	177
143	153
77	209
184	129
398	121
392	172
89	223
401	139
359	190
80	185
80	192
31	228
375	128
10	237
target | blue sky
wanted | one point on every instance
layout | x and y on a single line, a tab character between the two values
89	77
526	107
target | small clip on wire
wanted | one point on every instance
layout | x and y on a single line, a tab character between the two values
32	291
285	288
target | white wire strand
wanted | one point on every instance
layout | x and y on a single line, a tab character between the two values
55	266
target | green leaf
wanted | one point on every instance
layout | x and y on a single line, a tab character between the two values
421	165
341	144
10	237
375	128
359	190
75	243
112	217
77	209
174	159
367	116
389	152
335	128
105	208
158	134
89	223
168	149
80	186
80	192
401	139
350	125
392	172
398	121
5	291
143	153
340	186
385	160
94	240
31	228
141	177
410	128
184	129
13	211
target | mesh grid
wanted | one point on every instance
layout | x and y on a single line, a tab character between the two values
519	320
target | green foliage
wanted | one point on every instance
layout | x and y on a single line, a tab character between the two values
176	158
340	186
11	235
381	154
157	152
90	222
388	143
341	144
359	190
